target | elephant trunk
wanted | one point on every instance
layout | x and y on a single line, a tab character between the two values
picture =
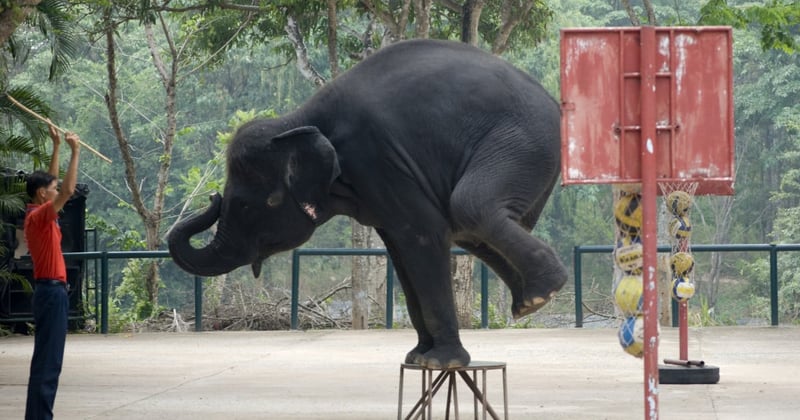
207	261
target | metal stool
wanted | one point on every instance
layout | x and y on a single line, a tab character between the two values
430	386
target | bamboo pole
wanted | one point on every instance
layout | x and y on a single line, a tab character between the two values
48	122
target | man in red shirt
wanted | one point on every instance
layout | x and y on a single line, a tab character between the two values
50	300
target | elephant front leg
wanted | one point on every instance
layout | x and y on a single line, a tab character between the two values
424	339
424	271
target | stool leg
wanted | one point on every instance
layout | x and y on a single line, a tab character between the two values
505	395
400	396
455	393
450	384
474	397
430	395
478	394
484	394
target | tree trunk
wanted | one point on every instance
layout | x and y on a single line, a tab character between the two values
461	273
471	17
360	277
301	52
168	73
634	18
395	27
333	54
512	13
422	10
722	209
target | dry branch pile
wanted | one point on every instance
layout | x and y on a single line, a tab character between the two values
262	311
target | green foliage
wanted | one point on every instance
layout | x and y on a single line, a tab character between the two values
704	317
130	297
777	20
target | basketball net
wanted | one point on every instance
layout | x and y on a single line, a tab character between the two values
678	199
679	228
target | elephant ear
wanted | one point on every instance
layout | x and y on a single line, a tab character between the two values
311	166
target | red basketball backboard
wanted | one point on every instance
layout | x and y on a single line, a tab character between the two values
600	94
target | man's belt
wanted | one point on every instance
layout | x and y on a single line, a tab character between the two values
51	282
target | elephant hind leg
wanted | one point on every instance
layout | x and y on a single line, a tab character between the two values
527	295
501	237
507	273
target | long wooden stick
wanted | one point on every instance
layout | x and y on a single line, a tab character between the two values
47	121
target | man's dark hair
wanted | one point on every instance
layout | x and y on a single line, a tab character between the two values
36	180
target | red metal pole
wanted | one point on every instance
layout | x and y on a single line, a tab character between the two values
649	212
683	330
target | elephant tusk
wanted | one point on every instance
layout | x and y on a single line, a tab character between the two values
310	210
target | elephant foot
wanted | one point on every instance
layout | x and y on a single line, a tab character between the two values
446	357
417	355
538	291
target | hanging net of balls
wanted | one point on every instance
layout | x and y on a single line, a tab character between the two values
628	258
678	199
628	255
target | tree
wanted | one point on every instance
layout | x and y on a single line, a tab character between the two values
167	38
13	14
54	24
776	21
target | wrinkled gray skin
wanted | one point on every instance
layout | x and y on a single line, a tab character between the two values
433	143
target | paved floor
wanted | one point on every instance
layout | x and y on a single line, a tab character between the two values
552	374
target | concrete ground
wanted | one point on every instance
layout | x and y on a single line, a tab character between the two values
552	374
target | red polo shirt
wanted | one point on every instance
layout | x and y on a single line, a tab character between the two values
43	235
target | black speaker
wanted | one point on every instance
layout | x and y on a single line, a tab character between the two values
15	302
72	221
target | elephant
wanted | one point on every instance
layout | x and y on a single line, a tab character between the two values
432	143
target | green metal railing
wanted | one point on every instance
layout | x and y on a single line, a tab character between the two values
104	256
773	250
297	253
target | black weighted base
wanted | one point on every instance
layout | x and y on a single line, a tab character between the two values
688	375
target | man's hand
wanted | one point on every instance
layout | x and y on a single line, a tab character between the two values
54	135
74	141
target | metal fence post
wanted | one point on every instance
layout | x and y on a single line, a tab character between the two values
484	295
389	293
578	288
198	303
295	287
773	283
104	292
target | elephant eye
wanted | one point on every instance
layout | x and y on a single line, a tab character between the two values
275	199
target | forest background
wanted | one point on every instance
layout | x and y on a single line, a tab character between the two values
159	87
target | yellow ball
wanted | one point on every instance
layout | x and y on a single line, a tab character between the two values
628	295
628	214
678	202
628	255
681	263
682	289
680	227
631	335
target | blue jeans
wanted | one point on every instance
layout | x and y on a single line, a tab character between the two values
50	308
